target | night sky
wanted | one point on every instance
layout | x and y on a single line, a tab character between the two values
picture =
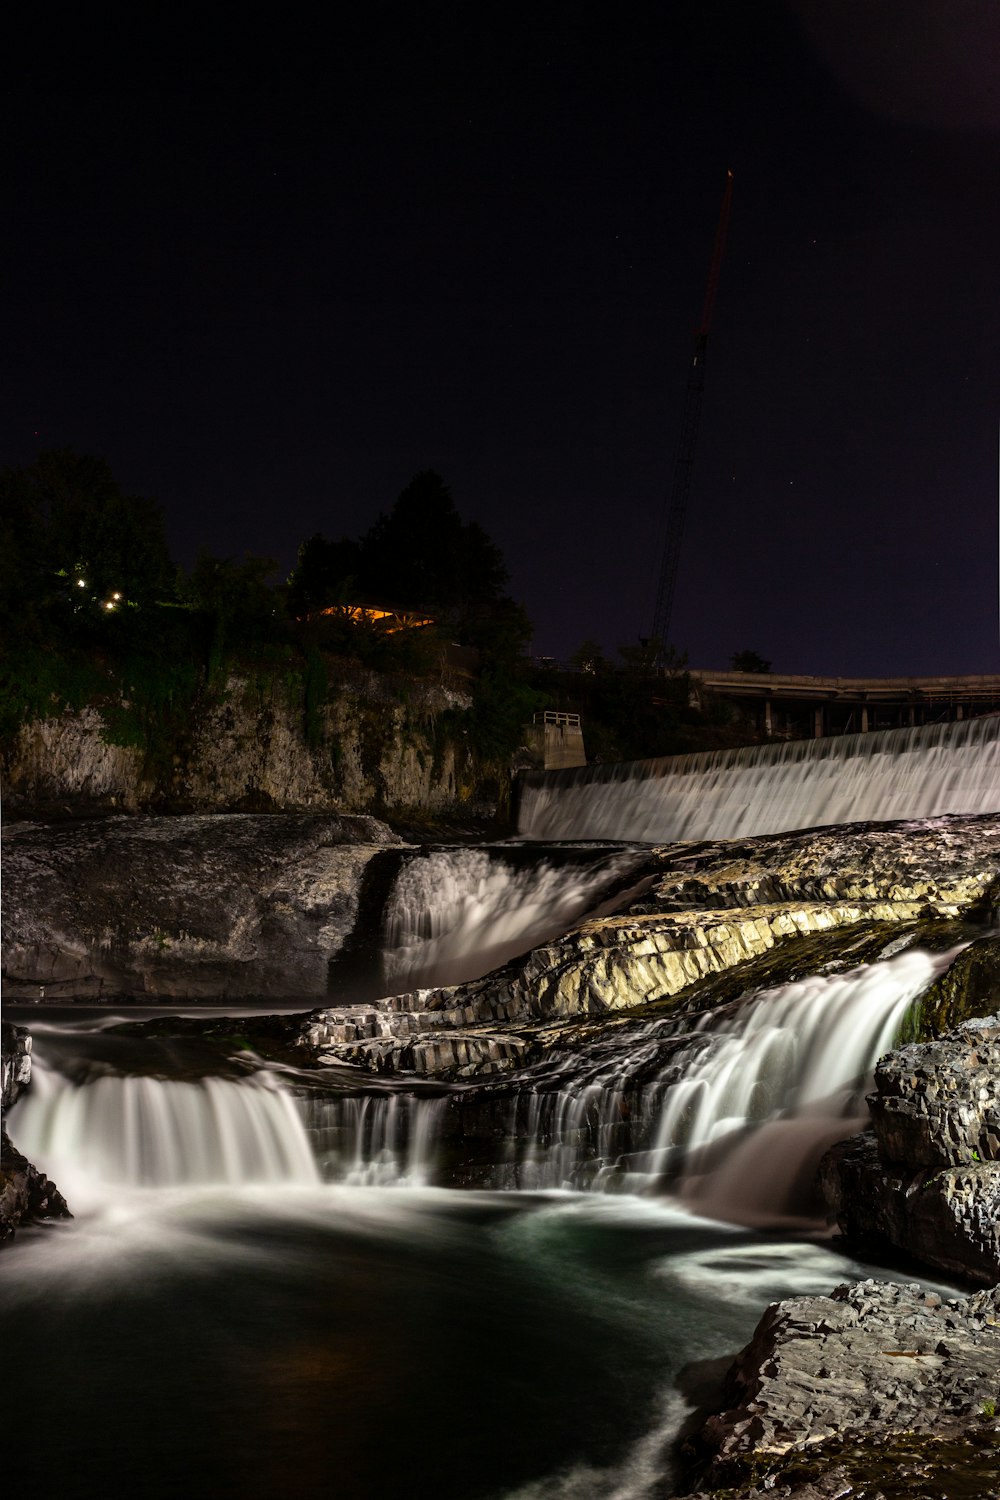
269	268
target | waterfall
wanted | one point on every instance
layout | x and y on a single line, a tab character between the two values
139	1131
898	773
374	1140
734	1116
455	914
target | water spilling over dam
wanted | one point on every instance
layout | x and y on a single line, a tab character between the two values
900	773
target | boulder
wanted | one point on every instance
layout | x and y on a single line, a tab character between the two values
26	1195
182	907
926	1179
831	1388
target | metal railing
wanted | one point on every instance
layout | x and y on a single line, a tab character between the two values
552	716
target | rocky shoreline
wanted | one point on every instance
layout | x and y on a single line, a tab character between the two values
832	1392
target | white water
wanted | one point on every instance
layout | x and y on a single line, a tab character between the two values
375	1140
458	913
904	773
739	1113
153	1132
730	1117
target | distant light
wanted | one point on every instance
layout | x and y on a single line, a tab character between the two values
109	604
116	597
80	583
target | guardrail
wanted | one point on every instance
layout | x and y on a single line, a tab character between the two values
552	716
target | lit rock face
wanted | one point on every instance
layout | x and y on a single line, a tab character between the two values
927	1179
202	907
728	917
875	1360
245	747
938	1104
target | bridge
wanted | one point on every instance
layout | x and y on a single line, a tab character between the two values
800	707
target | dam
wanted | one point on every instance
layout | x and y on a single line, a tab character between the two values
926	771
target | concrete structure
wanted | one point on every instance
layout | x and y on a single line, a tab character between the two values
557	740
790	707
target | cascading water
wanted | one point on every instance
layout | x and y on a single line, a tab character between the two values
898	773
455	914
375	1140
734	1116
139	1131
301	1315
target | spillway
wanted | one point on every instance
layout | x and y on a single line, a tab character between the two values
898	773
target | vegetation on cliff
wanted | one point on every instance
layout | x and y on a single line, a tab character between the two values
94	612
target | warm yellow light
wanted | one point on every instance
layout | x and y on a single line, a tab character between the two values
108	604
116	597
80	583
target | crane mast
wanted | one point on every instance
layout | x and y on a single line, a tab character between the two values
684	464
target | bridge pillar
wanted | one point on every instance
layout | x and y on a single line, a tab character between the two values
864	718
768	722
818	722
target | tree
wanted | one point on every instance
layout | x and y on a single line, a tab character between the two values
326	573
748	661
237	606
115	543
588	657
421	555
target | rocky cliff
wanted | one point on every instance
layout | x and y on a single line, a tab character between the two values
375	742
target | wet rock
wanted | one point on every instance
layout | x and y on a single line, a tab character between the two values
926	1180
16	1055
26	1195
971	987
868	1366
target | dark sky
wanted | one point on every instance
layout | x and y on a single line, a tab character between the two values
271	268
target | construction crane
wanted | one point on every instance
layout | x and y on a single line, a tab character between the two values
684	466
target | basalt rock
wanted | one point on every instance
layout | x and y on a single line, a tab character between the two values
842	1389
712	921
937	1104
186	907
926	1180
26	1195
15	1050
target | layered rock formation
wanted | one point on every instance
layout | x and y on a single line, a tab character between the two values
711	921
875	1386
376	744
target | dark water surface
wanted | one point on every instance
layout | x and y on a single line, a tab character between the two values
372	1342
